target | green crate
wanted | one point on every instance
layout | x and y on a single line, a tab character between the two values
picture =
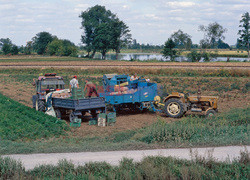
77	93
92	122
111	117
76	120
72	124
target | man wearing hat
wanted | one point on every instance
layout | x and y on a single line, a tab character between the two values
73	83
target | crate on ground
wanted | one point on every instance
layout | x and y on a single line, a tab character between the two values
102	119
111	118
76	123
77	120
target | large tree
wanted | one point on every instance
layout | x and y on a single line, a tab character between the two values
212	33
244	32
120	35
102	31
40	42
182	40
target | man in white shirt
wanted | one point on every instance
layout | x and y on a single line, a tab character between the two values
73	83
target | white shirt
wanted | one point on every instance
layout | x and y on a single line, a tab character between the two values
73	83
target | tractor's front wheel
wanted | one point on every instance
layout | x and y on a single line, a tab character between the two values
40	105
210	113
174	108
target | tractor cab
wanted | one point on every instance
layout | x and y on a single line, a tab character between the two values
48	83
45	84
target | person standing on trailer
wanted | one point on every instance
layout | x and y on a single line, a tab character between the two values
73	83
91	88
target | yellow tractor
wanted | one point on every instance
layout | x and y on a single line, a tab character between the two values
177	104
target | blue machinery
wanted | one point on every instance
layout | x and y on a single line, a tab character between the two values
120	91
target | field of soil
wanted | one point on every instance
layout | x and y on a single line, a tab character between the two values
123	64
233	92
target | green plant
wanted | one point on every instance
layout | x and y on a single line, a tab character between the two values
21	122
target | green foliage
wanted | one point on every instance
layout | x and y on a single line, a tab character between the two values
6	49
103	31
168	50
225	128
41	40
157	167
14	50
11	169
244	32
194	56
212	33
19	122
182	40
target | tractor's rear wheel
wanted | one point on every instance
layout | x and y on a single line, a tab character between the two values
58	113
40	105
174	108
210	113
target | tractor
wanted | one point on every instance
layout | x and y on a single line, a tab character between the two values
44	85
177	104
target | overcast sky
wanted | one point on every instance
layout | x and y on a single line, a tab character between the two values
150	21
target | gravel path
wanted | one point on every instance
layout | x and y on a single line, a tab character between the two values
113	157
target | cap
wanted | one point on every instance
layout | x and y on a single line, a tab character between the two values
74	76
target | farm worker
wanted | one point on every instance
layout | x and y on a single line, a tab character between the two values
73	83
133	77
91	88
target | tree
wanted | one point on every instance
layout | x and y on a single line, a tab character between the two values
244	32
14	50
5	41
102	31
222	45
28	48
120	36
61	47
182	40
6	48
168	50
212	33
41	40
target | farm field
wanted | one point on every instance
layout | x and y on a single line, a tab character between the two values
230	85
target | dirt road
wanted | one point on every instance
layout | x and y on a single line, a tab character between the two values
113	157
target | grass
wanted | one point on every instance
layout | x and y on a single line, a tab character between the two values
19	122
224	129
149	168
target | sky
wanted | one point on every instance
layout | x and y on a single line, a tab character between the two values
150	21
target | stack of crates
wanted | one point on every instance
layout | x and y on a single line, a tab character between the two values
76	123
77	93
102	119
111	119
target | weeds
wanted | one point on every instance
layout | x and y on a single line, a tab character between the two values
157	167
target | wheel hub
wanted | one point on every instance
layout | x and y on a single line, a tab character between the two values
173	108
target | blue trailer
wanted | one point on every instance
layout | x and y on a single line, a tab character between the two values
120	91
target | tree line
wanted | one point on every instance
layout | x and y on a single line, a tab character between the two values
43	43
104	31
